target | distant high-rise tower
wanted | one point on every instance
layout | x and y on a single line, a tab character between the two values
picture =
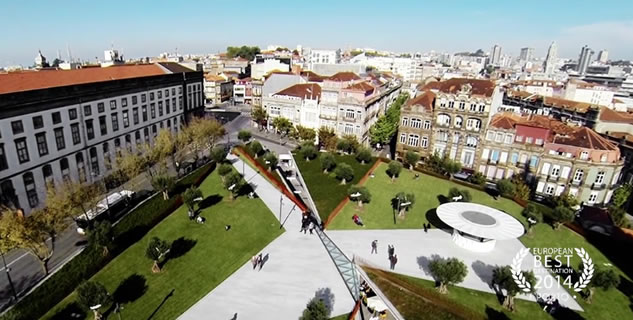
550	60
583	59
495	56
526	54
603	56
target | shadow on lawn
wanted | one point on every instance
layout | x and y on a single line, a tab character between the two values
169	295
179	247
431	217
492	314
130	289
483	271
209	201
71	311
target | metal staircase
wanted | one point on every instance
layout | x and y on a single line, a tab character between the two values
345	266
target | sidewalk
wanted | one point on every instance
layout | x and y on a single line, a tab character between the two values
297	267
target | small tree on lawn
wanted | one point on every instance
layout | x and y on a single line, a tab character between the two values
156	250
224	169
328	162
256	148
218	154
604	279
271	160
561	215
477	178
359	194
451	166
403	202
308	151
363	155
91	294
344	172
621	195
465	194
502	279
315	310
306	134
244	135
533	215
411	158
327	138
101	236
505	187
394	169
564	200
618	215
258	114
163	183
189	199
233	183
447	272
348	144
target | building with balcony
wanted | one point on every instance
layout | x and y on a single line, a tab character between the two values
70	124
217	89
416	126
243	91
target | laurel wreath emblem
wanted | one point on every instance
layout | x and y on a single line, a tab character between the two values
587	270
517	274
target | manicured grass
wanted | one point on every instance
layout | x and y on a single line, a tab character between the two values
421	302
378	214
209	255
325	189
341	317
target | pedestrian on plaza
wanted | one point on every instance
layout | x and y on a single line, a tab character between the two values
374	247
390	250
260	261
254	261
393	260
311	227
425	228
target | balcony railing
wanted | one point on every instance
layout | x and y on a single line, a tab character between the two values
553	178
576	182
598	186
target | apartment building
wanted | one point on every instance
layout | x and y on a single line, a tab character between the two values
587	92
217	89
69	124
416	126
243	91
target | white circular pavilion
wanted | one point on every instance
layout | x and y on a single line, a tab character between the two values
477	227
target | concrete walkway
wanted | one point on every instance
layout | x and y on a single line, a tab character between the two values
415	249
297	267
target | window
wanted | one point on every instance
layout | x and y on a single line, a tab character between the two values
59	138
135	115
473	124
529	140
499	137
514	158
173	104
74	131
3	158
38	122
47	173
414	139
584	155
7	193
443	120
166	93
100	107
456	138
490	135
471	141
603	158
519	139
427	125
425	142
152	110
593	197
482	108
349	113
94	161
144	111
167	106
126	119
29	185
169	123
160	94
179	90
508	139
473	107
151	96
462	105
23	152
549	190
123	102
90	130
458	122
600	177
146	134
403	138
442	136
405	122
112	104
180	104
416	123
494	157
115	121
578	175
143	98
451	104
57	117
72	114
64	168
17	127
87	110
107	161
555	171
103	126
160	108
137	137
539	142
81	169
173	91
533	161
154	129
134	100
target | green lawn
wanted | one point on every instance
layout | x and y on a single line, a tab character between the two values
209	255
612	304
326	191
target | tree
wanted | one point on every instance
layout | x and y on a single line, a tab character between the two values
359	194
403	202
190	197
163	183
259	115
564	200
327	139
233	182
132	164
328	162
101	235
155	251
505	187
245	52
91	294
305	134
463	193
477	178
387	125
163	148
224	169
561	215
451	166
363	155
348	144
271	160
218	154
618	215
604	279
394	169
256	148
308	151
283	125
502	279
411	158
344	172
244	135
202	133
533	215
315	310
522	191
447	272
621	195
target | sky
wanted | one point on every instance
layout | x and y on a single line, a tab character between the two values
141	28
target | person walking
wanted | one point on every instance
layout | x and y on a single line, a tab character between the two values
393	260
374	247
260	261
254	261
391	250
311	227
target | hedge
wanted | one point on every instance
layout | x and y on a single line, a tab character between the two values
87	263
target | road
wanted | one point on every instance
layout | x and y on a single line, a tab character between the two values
26	271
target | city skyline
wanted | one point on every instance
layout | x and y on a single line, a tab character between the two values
205	28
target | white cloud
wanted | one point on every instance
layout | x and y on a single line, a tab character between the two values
615	36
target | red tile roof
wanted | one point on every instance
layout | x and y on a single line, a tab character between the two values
609	115
302	90
425	100
577	106
504	121
311	76
26	81
586	138
363	86
344	76
478	87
